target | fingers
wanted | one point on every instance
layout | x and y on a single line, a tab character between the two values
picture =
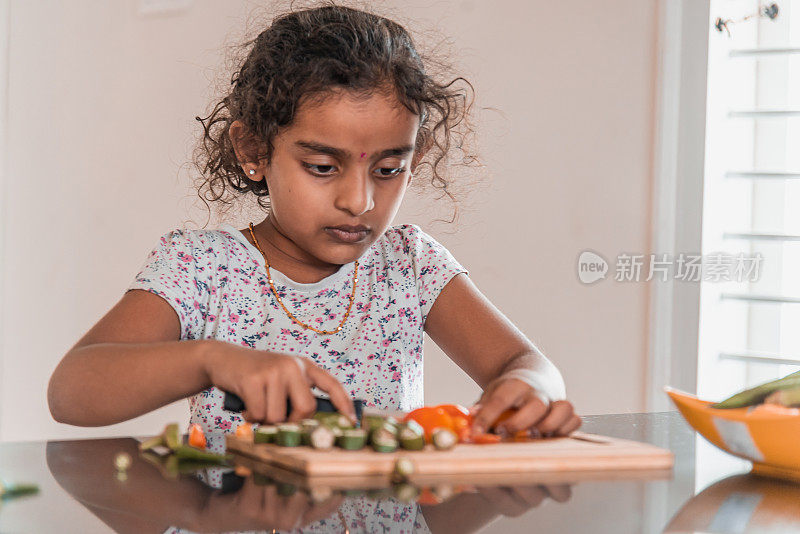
276	401
559	492
303	403
560	414
494	402
528	415
571	426
329	384
255	400
324	509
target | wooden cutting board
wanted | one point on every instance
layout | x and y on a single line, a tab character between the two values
578	452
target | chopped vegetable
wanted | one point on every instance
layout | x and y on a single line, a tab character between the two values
288	435
172	437
155	441
428	498
9	491
191	453
405	492
352	438
486	438
245	431
384	439
322	438
757	394
430	418
196	436
306	427
412	436
444	439
334	419
784	397
169	437
371	422
265	434
122	461
403	468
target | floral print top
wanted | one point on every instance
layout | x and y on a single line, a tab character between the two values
217	283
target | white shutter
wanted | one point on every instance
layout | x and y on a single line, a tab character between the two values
750	330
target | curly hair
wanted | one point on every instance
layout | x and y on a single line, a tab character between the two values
306	55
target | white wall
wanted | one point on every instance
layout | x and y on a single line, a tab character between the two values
101	117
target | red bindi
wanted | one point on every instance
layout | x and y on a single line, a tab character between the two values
363	154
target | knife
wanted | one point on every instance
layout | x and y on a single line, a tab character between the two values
234	403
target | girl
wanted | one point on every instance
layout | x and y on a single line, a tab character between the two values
328	118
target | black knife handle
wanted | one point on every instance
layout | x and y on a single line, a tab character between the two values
234	403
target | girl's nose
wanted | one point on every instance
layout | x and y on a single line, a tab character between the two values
354	193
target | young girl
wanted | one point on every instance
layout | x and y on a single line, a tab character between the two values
328	118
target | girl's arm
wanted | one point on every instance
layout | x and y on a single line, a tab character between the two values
132	362
129	363
483	342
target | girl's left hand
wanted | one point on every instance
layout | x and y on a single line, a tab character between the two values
547	419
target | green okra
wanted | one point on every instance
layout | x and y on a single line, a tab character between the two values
188	452
288	435
190	466
307	426
172	437
383	439
260	479
148	444
412	436
9	491
352	439
371	422
756	395
265	434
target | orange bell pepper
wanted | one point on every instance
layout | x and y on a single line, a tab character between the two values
462	420
196	436
430	418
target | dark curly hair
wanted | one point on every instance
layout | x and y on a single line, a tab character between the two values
304	56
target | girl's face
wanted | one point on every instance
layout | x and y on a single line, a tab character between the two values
342	162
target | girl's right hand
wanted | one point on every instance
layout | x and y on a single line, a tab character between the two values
264	379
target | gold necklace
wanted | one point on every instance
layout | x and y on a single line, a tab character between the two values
291	316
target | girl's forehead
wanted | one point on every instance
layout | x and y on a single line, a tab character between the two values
355	126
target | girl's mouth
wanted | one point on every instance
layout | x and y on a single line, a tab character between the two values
347	237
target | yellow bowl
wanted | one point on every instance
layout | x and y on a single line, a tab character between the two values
769	440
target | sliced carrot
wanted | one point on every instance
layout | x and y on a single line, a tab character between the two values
243	471
486	438
245	430
427	497
196	436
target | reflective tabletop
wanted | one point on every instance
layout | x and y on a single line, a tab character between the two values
707	490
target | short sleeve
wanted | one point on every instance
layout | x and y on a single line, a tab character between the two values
170	271
434	266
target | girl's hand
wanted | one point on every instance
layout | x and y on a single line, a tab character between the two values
545	418
263	379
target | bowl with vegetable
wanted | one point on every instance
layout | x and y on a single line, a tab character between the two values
760	424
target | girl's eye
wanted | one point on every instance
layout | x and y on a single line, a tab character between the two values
325	170
394	172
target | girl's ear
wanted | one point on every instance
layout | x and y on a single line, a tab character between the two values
246	146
